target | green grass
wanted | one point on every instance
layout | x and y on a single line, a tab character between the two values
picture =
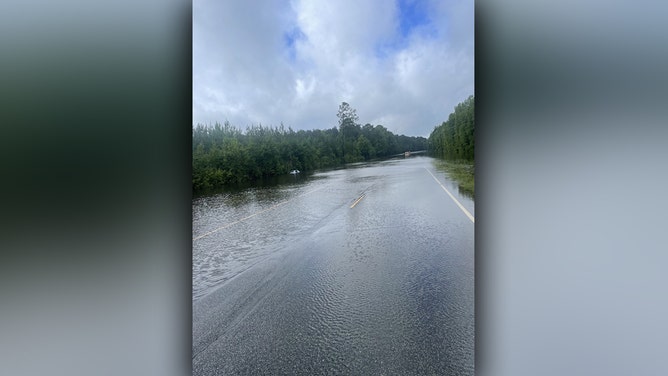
463	172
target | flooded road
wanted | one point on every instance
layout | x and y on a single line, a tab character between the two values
363	270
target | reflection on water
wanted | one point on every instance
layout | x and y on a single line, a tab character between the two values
234	228
238	226
302	283
266	182
465	192
462	173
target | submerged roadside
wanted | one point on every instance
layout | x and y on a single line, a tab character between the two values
461	171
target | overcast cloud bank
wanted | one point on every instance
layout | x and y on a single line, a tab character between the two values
404	65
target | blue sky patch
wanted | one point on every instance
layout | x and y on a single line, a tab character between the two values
290	38
412	13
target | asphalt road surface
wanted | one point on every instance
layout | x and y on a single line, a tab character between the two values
363	270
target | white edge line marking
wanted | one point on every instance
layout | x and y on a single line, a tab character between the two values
252	215
452	197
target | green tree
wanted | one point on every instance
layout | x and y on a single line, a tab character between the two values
364	148
455	138
225	155
347	123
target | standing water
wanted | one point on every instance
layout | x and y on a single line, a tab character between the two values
363	270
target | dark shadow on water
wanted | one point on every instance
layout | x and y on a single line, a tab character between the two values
264	188
465	192
288	180
459	172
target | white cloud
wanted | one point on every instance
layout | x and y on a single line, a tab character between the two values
246	69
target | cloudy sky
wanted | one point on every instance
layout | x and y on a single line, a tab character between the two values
403	64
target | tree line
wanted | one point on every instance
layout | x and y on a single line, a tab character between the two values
454	138
224	154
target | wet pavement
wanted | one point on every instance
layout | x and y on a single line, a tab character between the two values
363	270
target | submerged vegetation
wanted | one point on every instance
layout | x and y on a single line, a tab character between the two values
463	172
224	154
453	141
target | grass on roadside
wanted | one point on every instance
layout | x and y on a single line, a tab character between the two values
463	172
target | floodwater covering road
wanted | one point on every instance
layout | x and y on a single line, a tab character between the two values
363	270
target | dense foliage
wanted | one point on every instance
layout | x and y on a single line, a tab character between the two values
454	139
224	154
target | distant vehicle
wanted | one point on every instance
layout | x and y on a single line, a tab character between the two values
294	172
